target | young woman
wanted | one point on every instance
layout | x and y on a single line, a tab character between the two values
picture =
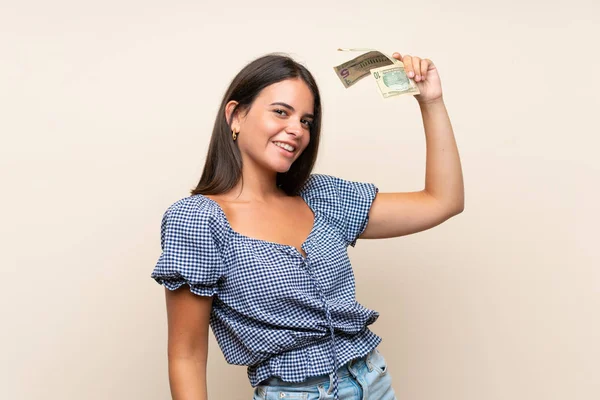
259	249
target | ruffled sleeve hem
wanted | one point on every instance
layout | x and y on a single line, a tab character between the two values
174	283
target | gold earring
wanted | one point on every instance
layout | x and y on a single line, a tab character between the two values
234	135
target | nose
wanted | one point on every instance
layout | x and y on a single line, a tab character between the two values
295	128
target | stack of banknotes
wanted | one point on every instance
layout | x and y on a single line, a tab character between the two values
388	72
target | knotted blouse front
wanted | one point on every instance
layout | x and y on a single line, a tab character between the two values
274	310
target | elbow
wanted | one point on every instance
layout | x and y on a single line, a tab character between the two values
458	205
455	208
451	205
459	208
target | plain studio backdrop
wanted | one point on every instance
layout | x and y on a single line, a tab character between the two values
106	110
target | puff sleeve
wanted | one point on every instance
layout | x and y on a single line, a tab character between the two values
190	249
345	203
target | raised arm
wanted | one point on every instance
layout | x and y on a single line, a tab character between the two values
404	213
188	318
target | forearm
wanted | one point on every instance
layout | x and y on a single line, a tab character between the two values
187	378
443	175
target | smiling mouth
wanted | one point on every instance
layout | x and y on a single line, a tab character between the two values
285	146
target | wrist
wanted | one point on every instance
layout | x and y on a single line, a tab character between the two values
431	103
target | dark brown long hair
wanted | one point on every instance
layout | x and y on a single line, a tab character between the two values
223	166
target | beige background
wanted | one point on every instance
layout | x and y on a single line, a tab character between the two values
105	113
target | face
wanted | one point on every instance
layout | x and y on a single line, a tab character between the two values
276	129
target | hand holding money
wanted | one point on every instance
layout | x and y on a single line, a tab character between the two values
393	75
425	75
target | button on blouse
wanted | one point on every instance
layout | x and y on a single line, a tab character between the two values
275	311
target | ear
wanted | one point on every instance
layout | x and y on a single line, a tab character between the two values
229	108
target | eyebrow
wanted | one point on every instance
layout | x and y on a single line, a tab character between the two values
278	103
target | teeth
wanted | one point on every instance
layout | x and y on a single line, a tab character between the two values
284	146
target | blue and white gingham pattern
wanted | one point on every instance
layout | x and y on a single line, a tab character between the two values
275	311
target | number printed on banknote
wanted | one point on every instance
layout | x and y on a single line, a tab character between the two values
354	70
392	81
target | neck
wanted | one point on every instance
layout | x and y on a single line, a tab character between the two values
257	184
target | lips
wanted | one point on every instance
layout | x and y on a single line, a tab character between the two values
285	153
285	145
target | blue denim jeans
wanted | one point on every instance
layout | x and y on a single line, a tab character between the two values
364	378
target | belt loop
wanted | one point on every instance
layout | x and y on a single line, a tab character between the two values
368	360
356	361
330	388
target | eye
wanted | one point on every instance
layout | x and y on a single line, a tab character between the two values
280	111
308	123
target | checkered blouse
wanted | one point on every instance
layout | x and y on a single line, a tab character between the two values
275	311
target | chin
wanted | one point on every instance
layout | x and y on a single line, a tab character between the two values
280	167
283	170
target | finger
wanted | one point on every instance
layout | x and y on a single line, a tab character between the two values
424	68
416	61
397	56
408	66
430	65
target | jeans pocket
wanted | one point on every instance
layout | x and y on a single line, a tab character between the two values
259	393
377	361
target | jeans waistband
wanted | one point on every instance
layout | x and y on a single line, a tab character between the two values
342	371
